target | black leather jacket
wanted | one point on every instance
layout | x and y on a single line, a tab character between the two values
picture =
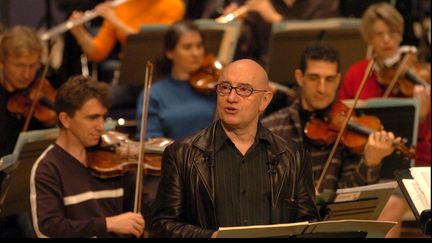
184	205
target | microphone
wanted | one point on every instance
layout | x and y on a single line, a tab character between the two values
271	166
411	76
208	156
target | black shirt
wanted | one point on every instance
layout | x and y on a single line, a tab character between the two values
242	183
10	125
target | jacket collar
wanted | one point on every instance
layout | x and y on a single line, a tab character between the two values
205	142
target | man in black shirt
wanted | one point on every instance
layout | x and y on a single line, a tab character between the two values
20	54
236	172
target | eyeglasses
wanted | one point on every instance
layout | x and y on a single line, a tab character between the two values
242	90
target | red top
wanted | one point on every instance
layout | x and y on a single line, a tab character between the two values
373	89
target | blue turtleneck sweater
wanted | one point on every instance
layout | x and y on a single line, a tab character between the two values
176	109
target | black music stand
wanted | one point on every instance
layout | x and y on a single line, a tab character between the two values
423	218
14	197
289	38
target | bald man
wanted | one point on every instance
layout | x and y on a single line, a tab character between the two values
236	172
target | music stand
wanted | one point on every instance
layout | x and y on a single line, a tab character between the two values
399	115
423	218
356	203
224	47
147	45
289	38
14	197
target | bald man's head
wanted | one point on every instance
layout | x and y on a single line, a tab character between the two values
248	70
243	94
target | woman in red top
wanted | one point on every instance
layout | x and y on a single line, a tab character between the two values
382	27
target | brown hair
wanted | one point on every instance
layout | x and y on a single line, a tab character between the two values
19	41
381	11
72	95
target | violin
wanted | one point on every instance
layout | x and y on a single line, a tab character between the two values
116	154
325	130
20	103
401	72
206	77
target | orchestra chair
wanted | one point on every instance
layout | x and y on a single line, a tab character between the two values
14	195
288	39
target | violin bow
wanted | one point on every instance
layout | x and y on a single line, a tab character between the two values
335	145
140	168
38	91
396	76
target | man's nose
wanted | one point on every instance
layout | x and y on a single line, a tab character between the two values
27	72
232	96
196	51
100	124
321	85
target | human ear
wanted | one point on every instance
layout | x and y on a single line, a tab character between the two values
265	101
298	74
64	119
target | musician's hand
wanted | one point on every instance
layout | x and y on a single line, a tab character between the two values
423	95
265	9
76	15
289	3
126	223
79	29
106	10
230	8
378	146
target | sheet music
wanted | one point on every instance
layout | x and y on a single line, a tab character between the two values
385	185
422	175
416	195
255	231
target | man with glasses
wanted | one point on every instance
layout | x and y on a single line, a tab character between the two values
235	172
20	54
319	77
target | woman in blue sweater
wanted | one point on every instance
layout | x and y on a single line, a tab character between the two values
176	109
